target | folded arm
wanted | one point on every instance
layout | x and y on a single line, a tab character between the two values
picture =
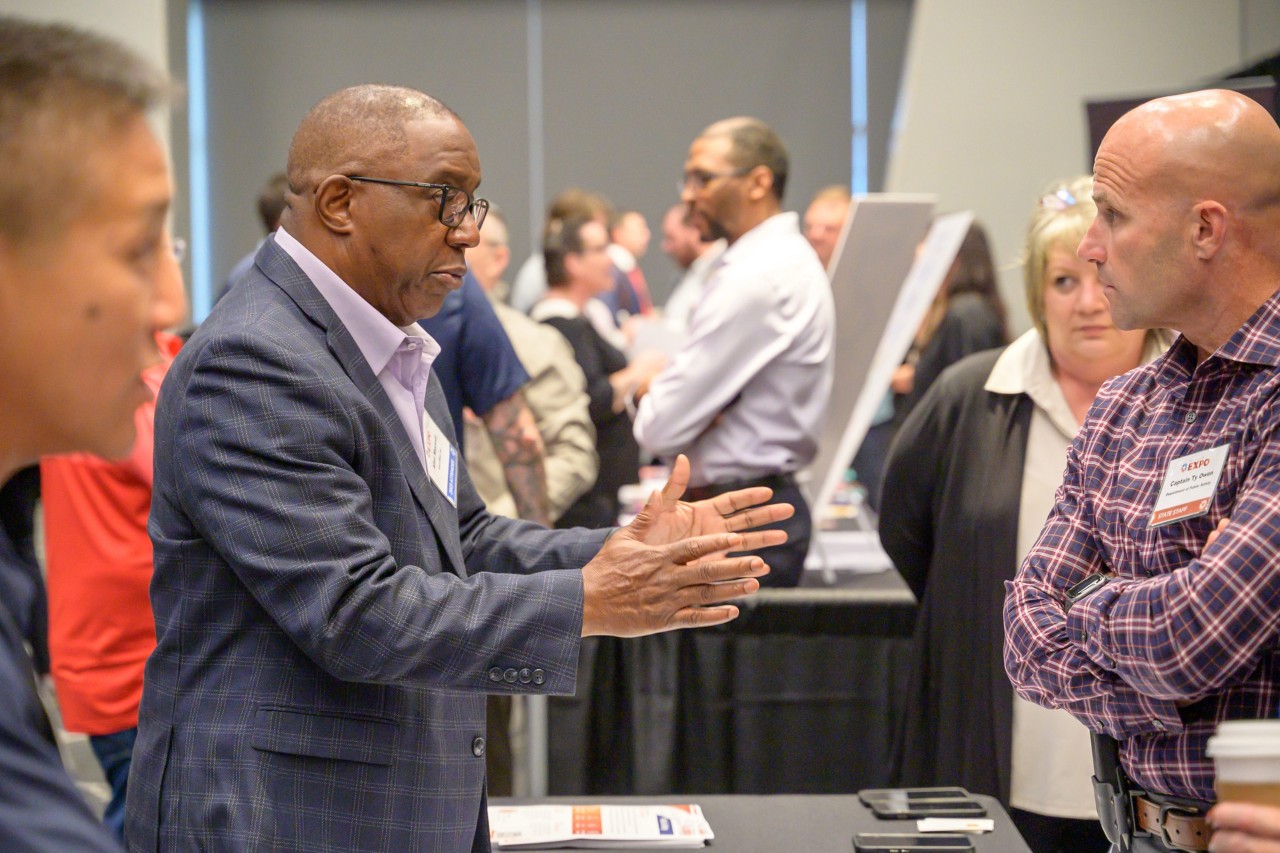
1123	658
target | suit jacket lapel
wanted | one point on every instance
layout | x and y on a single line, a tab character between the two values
281	269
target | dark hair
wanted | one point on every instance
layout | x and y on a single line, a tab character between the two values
272	202
563	237
61	91
577	203
974	272
756	144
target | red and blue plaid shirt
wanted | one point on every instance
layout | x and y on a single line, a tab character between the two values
1184	636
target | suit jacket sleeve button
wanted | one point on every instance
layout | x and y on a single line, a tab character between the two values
509	676
477	747
539	677
495	673
526	675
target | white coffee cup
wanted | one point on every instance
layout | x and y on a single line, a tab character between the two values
1246	756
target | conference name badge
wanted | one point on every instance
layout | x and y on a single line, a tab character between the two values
442	460
1189	485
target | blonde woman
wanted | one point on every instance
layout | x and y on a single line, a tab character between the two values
970	480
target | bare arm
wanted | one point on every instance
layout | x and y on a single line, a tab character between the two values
519	447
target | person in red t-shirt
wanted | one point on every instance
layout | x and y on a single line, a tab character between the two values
99	569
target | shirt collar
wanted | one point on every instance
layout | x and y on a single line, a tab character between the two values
704	261
1024	368
1258	340
377	337
787	222
554	306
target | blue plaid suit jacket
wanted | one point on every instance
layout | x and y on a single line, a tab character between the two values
327	624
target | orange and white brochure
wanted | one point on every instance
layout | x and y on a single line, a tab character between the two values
598	827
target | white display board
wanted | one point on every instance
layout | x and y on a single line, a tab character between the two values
882	286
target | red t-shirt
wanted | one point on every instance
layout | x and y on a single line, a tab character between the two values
99	569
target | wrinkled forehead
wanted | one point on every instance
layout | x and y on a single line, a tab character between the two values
1126	163
440	149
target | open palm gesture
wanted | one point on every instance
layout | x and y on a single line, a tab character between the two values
732	512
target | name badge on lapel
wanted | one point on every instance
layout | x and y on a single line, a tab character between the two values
1189	484
442	460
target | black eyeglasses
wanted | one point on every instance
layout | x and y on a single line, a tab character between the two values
454	201
698	179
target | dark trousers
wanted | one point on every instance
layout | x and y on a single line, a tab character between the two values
1045	834
786	561
115	754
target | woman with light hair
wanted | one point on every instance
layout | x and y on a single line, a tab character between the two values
970	480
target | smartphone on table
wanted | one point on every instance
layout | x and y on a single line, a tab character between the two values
887	842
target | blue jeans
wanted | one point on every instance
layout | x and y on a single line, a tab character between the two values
115	754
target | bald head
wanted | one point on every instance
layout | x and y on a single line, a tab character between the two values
1211	144
355	130
1188	195
372	171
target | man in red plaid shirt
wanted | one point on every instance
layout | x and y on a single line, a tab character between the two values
1171	635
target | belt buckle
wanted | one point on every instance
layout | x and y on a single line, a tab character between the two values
1182	811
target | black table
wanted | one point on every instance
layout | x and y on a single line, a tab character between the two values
798	695
811	823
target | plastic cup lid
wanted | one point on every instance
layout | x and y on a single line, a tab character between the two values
1245	739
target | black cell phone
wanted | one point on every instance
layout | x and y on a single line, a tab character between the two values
912	795
900	808
876	842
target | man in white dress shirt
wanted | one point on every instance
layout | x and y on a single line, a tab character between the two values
745	396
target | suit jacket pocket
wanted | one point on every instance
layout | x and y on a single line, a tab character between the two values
366	739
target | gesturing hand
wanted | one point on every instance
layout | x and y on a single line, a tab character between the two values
731	512
632	588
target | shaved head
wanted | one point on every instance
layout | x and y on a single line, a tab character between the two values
369	172
1188	196
355	130
1213	144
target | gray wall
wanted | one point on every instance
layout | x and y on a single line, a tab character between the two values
625	86
995	93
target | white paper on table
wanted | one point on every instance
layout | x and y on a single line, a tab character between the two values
600	827
956	824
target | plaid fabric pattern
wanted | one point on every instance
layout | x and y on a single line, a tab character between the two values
1183	637
327	624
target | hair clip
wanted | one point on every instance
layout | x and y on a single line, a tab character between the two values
1058	200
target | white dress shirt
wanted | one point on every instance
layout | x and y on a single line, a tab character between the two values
688	293
746	394
401	357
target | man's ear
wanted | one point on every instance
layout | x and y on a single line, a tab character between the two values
572	263
333	200
759	183
1208	229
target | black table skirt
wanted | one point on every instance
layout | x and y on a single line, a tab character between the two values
798	695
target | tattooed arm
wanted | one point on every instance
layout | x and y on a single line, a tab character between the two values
519	447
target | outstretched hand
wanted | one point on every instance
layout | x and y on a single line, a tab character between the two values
732	512
635	587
